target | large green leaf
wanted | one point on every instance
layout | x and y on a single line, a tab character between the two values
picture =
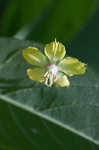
45	118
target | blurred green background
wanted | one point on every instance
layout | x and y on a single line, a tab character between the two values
73	22
47	19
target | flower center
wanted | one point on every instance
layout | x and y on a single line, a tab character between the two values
51	74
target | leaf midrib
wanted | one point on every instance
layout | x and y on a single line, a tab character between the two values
42	115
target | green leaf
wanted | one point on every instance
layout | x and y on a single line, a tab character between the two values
45	116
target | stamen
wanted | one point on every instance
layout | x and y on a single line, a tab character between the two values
50	75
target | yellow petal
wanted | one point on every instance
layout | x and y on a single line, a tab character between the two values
63	81
55	51
36	74
72	66
34	56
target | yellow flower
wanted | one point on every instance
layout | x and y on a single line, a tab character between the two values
52	67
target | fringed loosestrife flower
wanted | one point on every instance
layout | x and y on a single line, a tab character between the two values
52	67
